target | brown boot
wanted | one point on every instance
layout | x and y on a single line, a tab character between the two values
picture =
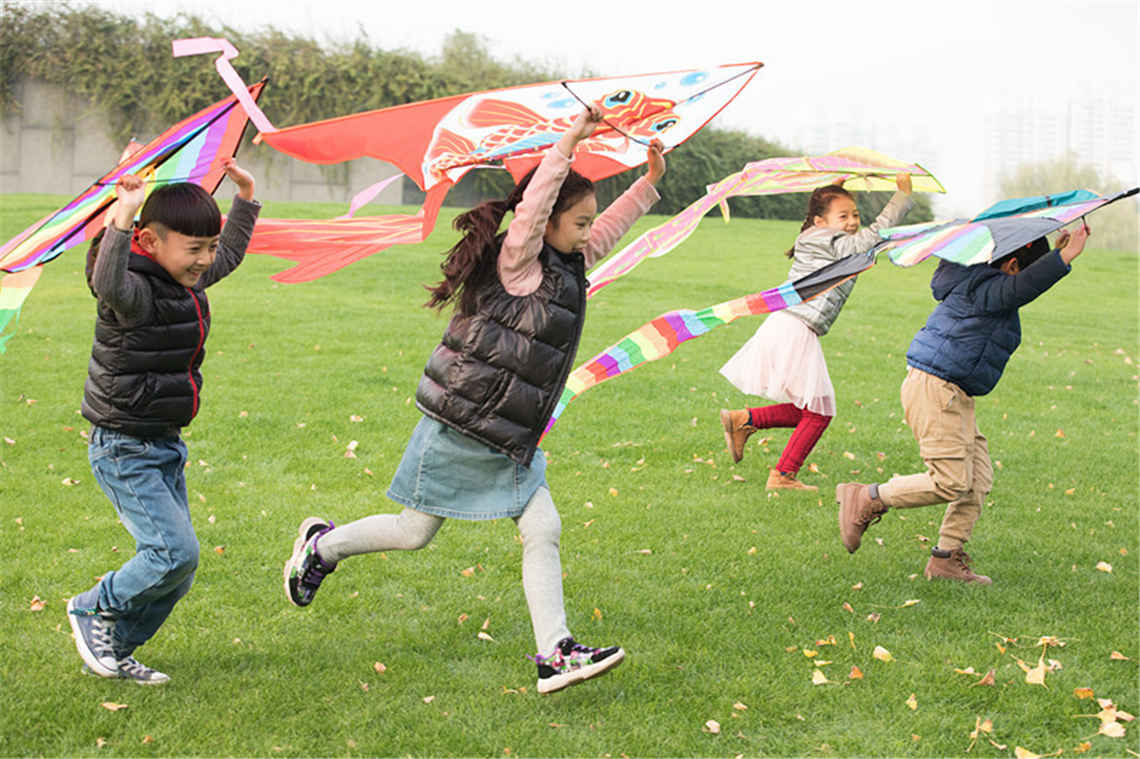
777	480
952	565
737	429
857	511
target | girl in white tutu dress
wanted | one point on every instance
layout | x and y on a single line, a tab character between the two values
784	361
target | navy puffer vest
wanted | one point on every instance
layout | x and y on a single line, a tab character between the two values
497	374
144	379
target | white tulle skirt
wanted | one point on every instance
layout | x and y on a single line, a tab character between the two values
783	362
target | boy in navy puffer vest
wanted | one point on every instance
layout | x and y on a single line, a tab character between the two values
960	353
143	385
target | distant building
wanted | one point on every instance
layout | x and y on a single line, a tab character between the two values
1099	127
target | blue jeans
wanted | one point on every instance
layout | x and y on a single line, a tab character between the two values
144	480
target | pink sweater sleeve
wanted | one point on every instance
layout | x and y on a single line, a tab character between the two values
616	220
519	269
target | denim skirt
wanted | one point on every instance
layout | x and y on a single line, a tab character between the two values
447	474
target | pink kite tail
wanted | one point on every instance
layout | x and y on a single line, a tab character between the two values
200	45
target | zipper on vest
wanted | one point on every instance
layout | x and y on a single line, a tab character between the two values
194	355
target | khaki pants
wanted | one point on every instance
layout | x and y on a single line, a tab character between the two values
958	468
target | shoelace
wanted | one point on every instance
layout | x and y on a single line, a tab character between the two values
317	571
101	636
134	667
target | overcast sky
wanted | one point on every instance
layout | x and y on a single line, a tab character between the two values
931	69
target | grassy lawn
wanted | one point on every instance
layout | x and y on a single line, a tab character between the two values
726	598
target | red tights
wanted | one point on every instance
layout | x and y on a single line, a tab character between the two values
809	427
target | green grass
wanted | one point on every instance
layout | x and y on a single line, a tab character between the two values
713	586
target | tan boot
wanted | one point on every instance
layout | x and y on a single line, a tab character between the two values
737	429
857	512
952	565
777	480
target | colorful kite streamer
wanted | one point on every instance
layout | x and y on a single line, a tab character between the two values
661	336
995	232
190	151
856	168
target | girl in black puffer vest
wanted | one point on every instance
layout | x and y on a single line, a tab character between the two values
489	388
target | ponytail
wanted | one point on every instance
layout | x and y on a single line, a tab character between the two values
472	262
818	204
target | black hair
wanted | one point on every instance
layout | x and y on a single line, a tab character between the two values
818	204
472	261
182	207
1025	255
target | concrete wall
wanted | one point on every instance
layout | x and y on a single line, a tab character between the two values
57	143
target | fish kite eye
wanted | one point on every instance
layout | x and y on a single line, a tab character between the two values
621	97
664	124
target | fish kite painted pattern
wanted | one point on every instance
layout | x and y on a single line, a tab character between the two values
660	337
436	142
856	168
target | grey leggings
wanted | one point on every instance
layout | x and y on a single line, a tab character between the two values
540	528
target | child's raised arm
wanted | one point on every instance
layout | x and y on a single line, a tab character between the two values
110	280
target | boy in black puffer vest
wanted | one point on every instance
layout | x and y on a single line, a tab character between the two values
960	353
143	385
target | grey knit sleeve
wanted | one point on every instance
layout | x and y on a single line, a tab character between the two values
125	292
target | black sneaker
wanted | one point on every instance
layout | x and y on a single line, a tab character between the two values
572	663
306	569
92	633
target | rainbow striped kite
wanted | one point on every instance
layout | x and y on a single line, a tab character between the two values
190	151
661	336
857	168
995	232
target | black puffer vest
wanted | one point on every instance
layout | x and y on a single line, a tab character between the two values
144	379
497	375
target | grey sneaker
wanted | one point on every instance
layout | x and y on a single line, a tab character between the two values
92	633
305	569
572	663
131	668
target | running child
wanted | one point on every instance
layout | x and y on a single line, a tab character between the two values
489	388
960	353
143	386
784	360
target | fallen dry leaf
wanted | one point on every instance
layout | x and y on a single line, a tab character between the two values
818	678
911	602
481	635
855	673
111	706
739	706
1083	692
1104	566
966	671
986	679
882	654
1111	729
597	615
469	572
712	726
1082	747
148	739
429	699
379	667
848	607
100	742
1117	656
1035	675
37	604
912	702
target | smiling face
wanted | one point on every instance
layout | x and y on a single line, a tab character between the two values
569	231
841	215
185	258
